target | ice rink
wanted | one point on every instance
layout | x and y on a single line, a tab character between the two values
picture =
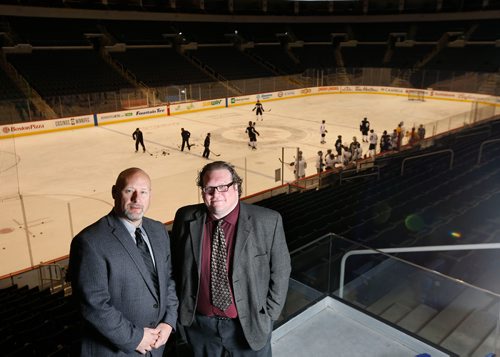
55	184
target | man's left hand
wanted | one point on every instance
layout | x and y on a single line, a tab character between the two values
164	330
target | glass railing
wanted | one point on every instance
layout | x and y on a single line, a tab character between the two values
446	295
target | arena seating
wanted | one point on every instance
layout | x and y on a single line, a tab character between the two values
277	56
51	32
230	63
8	90
147	33
164	66
428	205
471	58
364	55
65	72
37	323
72	67
315	56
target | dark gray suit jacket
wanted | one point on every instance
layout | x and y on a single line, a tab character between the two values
115	292
261	267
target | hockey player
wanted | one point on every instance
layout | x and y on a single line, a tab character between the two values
338	145
323	131
206	144
421	132
364	127
353	146
252	135
385	142
329	160
185	139
346	155
320	164
373	139
259	109
357	152
139	139
300	166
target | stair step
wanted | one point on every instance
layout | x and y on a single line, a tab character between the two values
451	316
404	296
471	332
417	318
487	346
395	312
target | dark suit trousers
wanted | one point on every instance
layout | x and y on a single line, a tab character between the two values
211	337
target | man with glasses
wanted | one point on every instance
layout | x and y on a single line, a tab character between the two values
231	266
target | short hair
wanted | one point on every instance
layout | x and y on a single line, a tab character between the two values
219	165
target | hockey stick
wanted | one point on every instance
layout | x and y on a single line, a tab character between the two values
190	145
286	163
214	153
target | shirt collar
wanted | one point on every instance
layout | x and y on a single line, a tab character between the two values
130	226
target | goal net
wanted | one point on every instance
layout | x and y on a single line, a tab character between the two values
415	94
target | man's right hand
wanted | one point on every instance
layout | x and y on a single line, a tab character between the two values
148	340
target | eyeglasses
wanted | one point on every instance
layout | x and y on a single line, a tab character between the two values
221	188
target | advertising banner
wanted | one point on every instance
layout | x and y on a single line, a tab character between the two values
46	126
131	114
181	108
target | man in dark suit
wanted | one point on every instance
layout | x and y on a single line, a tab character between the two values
229	307
120	269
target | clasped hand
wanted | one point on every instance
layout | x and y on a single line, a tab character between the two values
154	338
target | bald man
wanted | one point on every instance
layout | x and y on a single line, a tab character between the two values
120	270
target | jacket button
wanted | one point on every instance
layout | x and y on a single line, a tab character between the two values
155	306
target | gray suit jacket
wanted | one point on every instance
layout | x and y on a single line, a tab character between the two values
261	267
115	292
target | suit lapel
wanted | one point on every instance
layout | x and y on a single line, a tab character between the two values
242	232
123	236
196	234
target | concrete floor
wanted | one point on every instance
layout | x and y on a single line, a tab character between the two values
330	328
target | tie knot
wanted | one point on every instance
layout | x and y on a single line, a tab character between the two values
219	223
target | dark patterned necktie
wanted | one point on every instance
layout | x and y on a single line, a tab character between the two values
219	281
146	256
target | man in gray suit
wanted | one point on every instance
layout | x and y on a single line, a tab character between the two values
228	307
120	269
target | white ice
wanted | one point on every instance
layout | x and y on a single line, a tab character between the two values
65	178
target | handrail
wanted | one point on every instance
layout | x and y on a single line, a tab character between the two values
435	248
452	155
481	148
